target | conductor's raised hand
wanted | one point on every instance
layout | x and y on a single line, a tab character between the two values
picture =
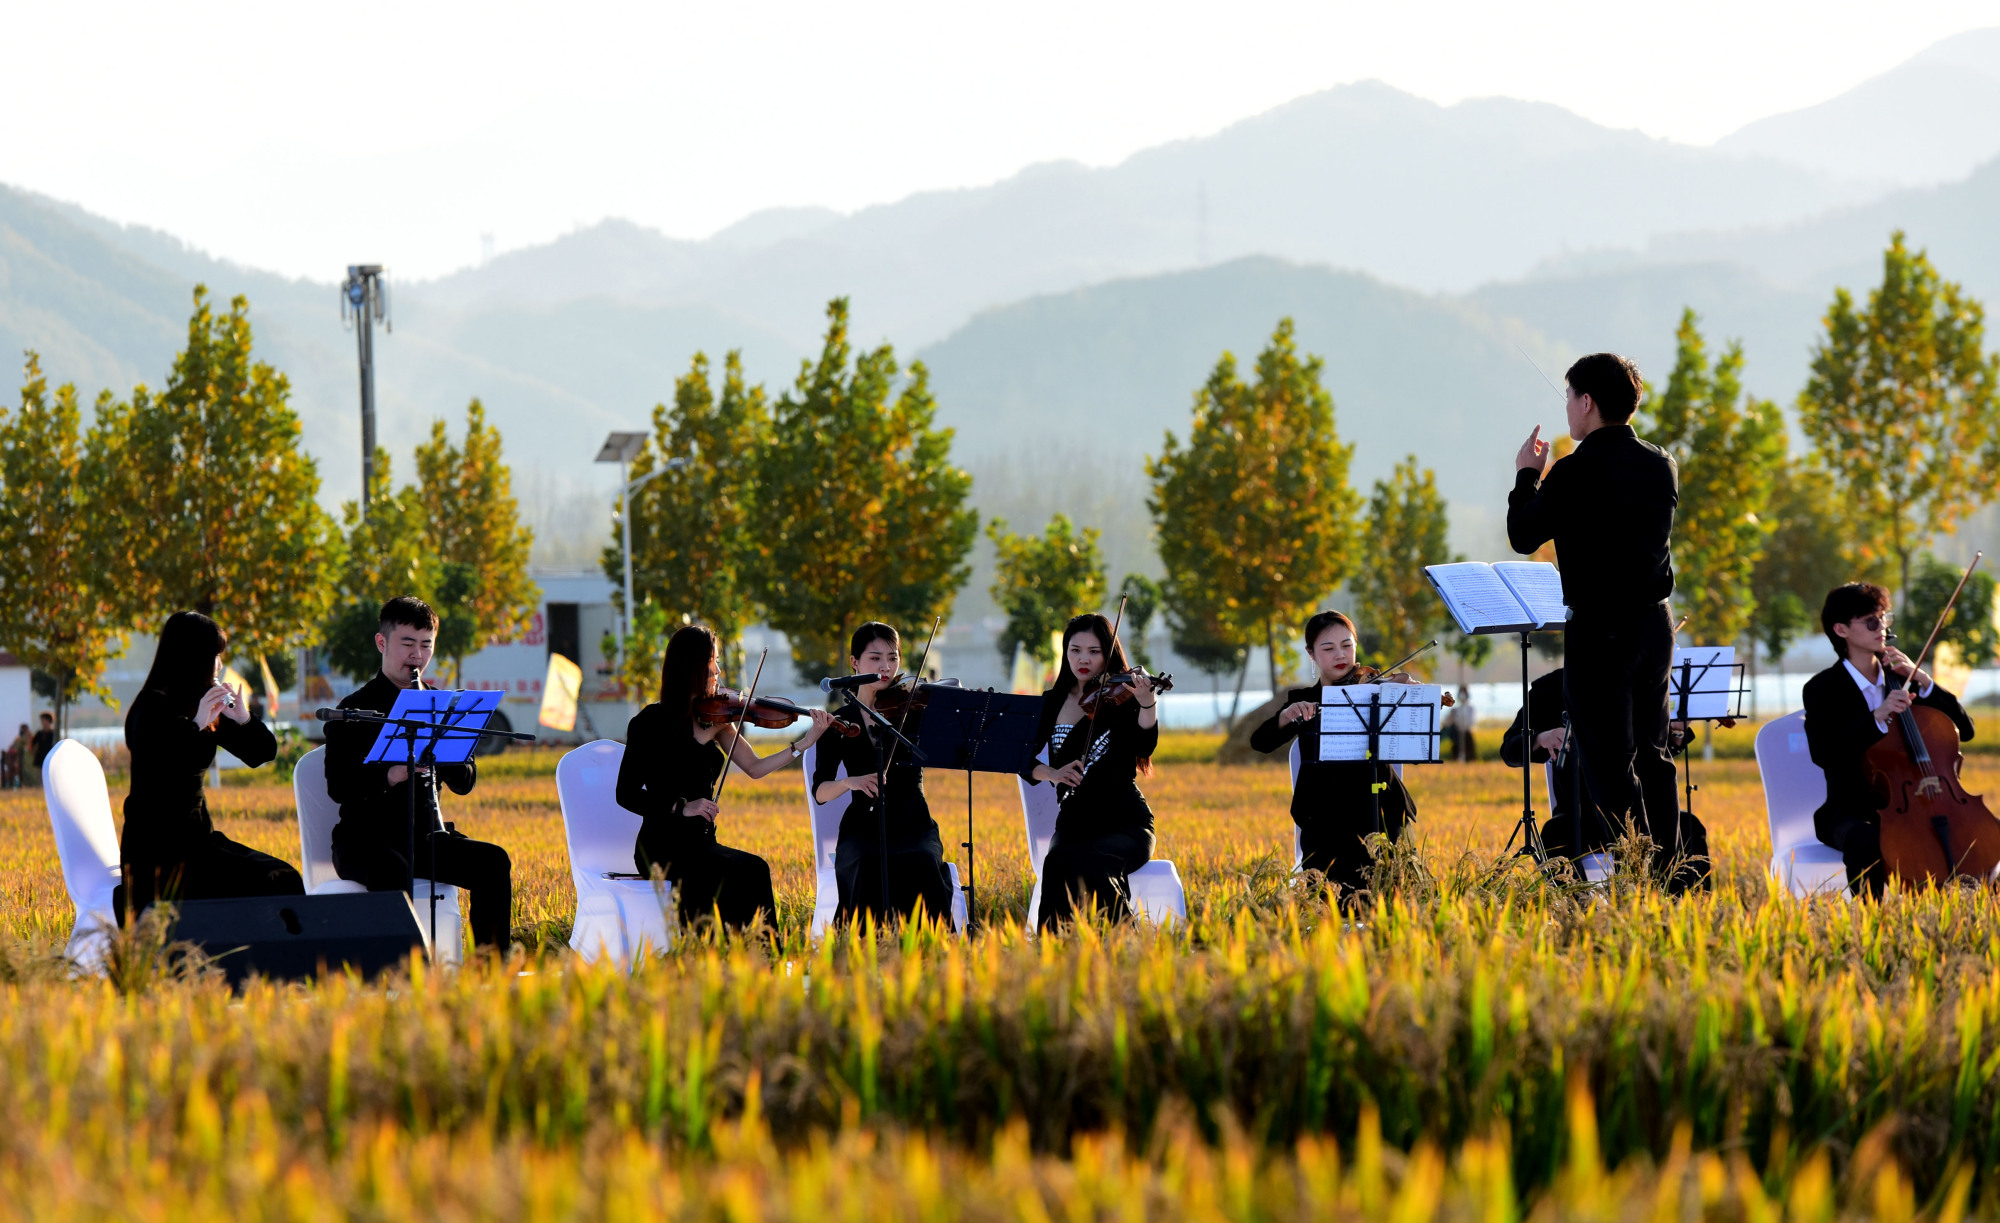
1534	454
1297	711
701	809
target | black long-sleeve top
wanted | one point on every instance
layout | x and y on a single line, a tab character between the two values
909	813
1609	505
664	767
1840	728
166	812
373	812
1331	789
1108	799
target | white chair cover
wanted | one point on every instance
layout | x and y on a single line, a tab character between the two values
620	918
87	842
1794	787
1155	888
318	813
825	820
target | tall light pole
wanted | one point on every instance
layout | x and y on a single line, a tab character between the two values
365	299
622	448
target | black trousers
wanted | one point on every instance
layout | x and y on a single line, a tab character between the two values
712	880
215	869
1076	873
479	867
916	875
1615	688
1860	844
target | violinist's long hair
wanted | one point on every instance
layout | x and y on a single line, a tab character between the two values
184	662
1095	624
684	672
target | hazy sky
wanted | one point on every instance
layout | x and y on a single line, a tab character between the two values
304	136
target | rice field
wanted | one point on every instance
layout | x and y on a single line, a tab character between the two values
1486	1042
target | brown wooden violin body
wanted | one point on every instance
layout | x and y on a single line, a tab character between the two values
1374	675
1932	830
1109	691
725	707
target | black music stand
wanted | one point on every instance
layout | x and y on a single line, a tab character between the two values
1390	723
883	747
426	727
981	731
1705	684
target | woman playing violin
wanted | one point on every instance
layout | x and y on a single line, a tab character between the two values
917	872
1848	709
1333	803
1104	829
668	778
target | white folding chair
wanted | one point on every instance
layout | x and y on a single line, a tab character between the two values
1155	888
616	917
824	819
87	842
1794	788
318	813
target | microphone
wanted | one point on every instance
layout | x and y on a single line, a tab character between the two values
847	683
347	715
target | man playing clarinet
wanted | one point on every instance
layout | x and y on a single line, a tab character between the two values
371	843
1609	507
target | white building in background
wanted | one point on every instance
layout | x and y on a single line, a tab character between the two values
575	615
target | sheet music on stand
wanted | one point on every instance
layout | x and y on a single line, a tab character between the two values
1508	597
1710	679
1407	732
454	715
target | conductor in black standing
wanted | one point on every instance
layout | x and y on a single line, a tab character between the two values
1609	507
371	843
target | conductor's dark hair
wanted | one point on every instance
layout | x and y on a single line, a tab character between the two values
184	661
1612	381
1850	602
870	633
408	611
1323	621
684	671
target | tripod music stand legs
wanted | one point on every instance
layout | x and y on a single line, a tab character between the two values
1526	829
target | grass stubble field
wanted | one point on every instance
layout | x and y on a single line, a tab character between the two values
1489	1043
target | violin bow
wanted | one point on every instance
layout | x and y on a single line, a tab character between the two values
1945	615
1392	668
741	717
903	723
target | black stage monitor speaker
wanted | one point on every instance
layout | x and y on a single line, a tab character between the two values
290	937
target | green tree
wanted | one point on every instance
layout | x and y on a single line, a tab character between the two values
859	513
1728	449
56	610
1970	628
1142	597
1806	554
387	554
1041	582
1407	529
473	529
1254	515
692	553
216	507
1901	405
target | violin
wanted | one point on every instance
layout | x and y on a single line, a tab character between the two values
1112	690
906	696
1393	674
1932	830
726	707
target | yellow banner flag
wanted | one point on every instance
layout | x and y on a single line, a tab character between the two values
560	694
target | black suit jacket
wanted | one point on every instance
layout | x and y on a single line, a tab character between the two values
373	812
1609	505
1839	731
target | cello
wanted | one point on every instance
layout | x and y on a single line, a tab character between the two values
1932	830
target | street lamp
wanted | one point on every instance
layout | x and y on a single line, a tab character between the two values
622	448
364	298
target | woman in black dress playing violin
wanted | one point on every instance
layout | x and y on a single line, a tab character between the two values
668	778
1333	803
1104	829
915	851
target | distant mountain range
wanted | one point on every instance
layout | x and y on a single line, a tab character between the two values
1069	313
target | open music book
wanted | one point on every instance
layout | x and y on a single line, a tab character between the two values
1510	597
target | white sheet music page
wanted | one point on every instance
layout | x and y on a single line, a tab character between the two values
1539	587
1708	677
1410	722
1478	599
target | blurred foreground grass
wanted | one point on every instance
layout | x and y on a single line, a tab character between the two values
1484	1045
